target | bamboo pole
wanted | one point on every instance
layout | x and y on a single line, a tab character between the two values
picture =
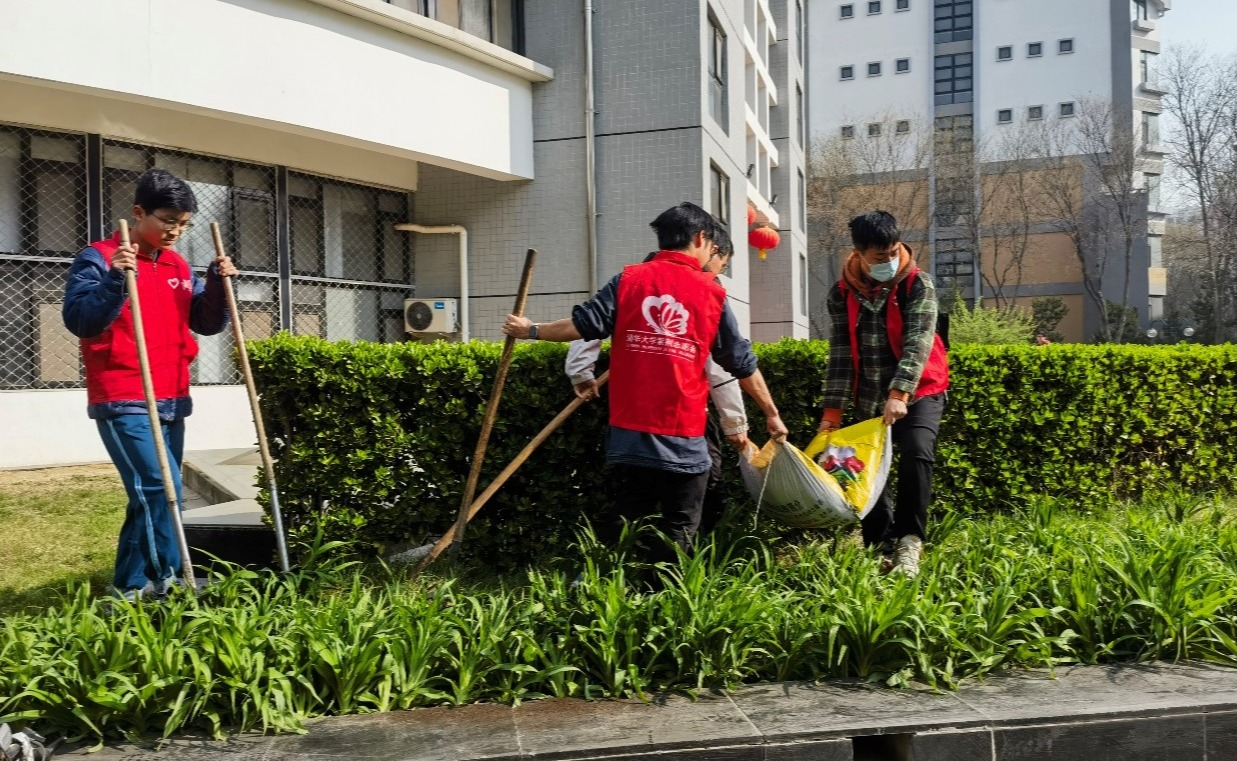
491	407
242	355
152	411
506	473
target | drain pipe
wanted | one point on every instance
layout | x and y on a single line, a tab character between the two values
409	227
590	155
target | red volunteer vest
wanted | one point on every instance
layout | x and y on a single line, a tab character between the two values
935	378
665	324
166	290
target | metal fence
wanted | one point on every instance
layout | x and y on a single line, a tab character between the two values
317	256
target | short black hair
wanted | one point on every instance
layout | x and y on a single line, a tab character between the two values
676	226
160	189
721	239
876	229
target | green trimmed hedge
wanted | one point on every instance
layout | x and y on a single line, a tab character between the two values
374	440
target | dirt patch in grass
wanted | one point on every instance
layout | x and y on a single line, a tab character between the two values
62	525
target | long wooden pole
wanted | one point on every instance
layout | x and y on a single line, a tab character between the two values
152	410
506	473
491	407
242	355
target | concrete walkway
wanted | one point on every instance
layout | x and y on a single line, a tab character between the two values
1118	713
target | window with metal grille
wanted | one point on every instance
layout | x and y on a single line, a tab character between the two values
347	275
1065	46
874	7
717	74
1035	49
954	79
1067	109
903	5
43	224
902	65
874	129
903	127
1004	116
846	11
848	131
497	21
953	20
1005	53
1035	113
874	69
847	72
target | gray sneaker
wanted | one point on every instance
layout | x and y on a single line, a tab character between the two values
907	554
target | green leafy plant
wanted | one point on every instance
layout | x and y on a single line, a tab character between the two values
1153	580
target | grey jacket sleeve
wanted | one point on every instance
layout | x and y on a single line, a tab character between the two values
595	317
582	360
727	398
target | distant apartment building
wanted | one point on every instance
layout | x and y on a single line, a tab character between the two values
361	153
978	91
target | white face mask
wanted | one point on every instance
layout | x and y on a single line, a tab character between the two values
884	271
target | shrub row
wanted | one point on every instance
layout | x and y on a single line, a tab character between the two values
1158	581
374	440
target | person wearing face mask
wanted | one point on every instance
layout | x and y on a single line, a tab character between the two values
886	360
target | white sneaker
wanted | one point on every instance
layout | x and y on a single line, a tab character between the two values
906	555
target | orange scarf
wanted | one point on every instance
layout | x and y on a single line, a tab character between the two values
856	273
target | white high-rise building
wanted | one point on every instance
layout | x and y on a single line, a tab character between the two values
991	68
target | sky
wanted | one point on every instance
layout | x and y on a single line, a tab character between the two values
1209	22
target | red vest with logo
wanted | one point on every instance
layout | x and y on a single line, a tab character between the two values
665	323
935	378
166	290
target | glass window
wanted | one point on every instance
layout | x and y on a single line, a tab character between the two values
848	131
953	79
1005	53
874	129
1067	109
1147	67
802	284
874	69
903	126
1005	116
1153	191
802	201
847	72
1035	49
902	65
953	20
874	7
1140	9
718	102
1065	46
846	11
1151	129
799	122
1035	113
799	30
719	194
903	5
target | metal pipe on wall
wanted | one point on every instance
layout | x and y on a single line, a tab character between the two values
590	155
463	233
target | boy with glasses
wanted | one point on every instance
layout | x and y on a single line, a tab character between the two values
174	302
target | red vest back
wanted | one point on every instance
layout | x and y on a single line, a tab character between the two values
935	378
665	324
166	290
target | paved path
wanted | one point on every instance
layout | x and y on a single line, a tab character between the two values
1118	713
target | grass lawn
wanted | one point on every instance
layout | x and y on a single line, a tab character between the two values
61	525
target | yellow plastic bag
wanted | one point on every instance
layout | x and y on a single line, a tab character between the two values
794	488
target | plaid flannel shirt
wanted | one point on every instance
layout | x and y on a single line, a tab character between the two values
879	370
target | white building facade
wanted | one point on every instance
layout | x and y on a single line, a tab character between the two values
989	66
310	129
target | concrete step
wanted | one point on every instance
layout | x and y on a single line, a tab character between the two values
222	475
238	512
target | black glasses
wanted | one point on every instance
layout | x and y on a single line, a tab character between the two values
172	224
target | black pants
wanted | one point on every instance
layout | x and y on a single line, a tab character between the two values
914	447
715	491
673	502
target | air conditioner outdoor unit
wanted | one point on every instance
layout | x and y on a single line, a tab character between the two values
431	316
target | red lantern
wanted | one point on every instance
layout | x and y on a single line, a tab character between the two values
763	238
751	214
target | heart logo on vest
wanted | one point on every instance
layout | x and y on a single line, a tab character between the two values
174	282
665	315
